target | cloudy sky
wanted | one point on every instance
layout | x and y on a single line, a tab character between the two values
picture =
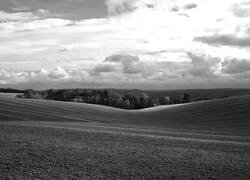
148	44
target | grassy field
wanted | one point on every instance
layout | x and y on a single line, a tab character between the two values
61	140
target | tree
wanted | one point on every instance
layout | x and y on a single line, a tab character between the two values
144	100
115	99
126	104
155	102
30	93
185	98
164	100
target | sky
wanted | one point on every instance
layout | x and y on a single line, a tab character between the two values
138	44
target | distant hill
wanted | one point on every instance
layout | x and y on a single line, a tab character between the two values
10	90
199	94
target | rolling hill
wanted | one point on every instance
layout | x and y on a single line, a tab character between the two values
42	139
228	114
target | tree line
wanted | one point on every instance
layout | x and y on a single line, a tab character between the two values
10	90
125	99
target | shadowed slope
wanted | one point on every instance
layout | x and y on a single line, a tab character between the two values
225	114
230	114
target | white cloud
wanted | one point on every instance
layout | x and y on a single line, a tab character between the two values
54	75
155	31
18	16
21	15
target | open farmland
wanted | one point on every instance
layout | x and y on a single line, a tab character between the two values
63	140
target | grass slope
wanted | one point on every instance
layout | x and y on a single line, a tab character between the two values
230	114
60	140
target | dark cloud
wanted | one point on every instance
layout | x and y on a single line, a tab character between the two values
174	9
70	9
151	6
120	7
224	40
156	52
123	58
104	68
190	6
56	75
234	66
126	7
203	65
163	51
21	8
130	64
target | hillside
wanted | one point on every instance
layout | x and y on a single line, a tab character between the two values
229	114
42	139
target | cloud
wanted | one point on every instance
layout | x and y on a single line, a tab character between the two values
144	41
201	71
18	16
204	65
7	76
104	68
236	66
34	25
190	6
58	73
130	64
25	16
241	10
70	9
122	58
132	67
21	8
43	75
225	40
116	7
